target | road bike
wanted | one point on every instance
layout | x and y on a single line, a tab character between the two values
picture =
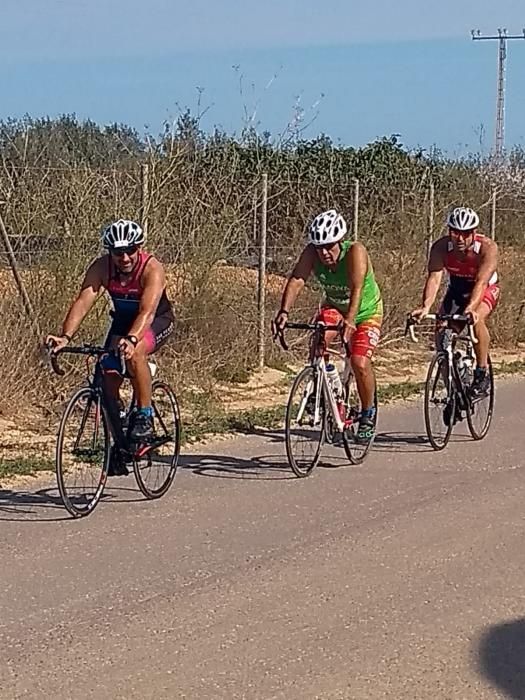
95	430
449	379
314	413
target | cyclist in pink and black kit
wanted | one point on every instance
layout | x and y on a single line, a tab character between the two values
471	261
142	313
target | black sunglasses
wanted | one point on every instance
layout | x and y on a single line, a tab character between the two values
460	234
120	252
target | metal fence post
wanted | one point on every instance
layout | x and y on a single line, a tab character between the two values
493	214
18	279
356	208
430	238
261	281
144	213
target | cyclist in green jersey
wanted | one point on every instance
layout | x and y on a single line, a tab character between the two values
351	296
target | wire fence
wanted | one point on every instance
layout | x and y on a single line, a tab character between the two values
220	235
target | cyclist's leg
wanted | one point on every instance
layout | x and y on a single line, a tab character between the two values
154	338
449	305
484	310
364	343
112	381
140	374
481	383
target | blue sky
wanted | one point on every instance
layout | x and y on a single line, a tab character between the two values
359	70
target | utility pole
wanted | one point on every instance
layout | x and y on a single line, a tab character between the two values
502	37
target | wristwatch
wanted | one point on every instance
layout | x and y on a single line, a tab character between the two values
132	339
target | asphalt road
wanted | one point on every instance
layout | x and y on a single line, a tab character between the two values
400	578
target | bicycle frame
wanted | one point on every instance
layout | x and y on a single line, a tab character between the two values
95	382
449	346
96	385
318	364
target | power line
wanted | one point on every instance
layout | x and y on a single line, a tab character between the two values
502	37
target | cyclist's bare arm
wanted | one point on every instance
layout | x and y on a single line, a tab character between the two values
300	274
488	265
356	268
436	265
91	287
153	284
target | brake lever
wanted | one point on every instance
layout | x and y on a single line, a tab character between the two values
409	329
282	341
122	360
470	325
52	359
278	334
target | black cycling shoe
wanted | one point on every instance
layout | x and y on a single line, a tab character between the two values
117	463
142	428
480	387
447	413
366	429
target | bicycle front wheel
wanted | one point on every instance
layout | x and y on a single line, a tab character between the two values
82	453
304	434
156	469
480	410
440	402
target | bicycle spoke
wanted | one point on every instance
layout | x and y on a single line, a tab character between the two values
356	451
82	455
155	464
440	402
305	423
480	410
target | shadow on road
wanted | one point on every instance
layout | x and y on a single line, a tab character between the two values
265	467
275	466
22	505
502	657
409	442
401	442
45	505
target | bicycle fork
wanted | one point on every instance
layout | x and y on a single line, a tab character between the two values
321	384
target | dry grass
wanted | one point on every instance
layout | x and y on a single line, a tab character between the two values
216	334
201	224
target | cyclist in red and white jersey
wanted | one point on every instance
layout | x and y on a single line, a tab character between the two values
142	314
470	260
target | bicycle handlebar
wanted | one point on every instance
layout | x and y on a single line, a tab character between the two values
317	326
90	350
461	318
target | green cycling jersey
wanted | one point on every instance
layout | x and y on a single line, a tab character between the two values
337	293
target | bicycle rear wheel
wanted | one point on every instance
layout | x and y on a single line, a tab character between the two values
304	438
355	451
82	453
480	411
155	469
440	402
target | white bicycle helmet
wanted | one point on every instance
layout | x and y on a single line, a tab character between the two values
122	234
463	219
328	227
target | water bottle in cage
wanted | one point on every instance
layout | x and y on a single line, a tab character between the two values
465	366
334	379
